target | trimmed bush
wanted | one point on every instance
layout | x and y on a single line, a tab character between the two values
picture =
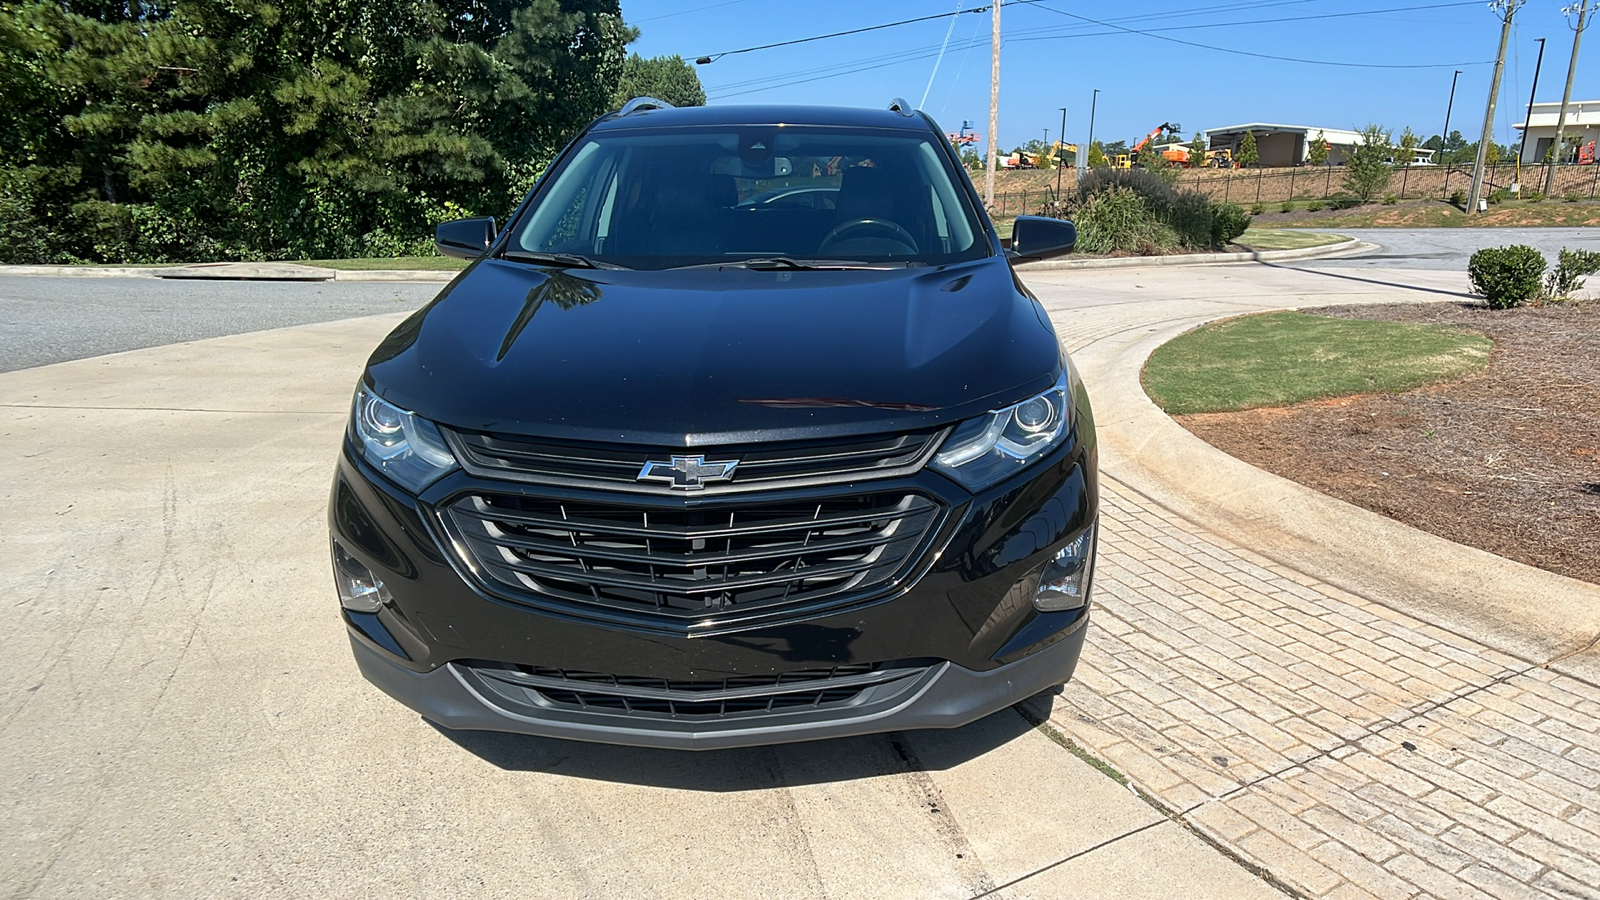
1172	218
1257	209
1572	266
1499	196
1313	206
1459	198
1390	200
1344	201
1533	196
1228	223
1506	276
1287	206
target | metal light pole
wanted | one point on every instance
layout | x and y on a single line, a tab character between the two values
1583	10
1444	139
1508	8
1058	156
1084	156
1528	120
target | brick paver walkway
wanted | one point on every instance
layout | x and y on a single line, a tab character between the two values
1347	748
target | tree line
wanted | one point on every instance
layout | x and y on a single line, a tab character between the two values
188	130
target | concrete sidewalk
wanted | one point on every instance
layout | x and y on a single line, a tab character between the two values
182	717
1358	707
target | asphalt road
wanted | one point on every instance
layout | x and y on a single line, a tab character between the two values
51	320
1450	248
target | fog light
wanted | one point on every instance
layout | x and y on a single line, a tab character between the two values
1064	583
359	590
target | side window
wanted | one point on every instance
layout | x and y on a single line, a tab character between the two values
569	219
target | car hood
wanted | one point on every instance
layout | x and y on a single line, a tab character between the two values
706	356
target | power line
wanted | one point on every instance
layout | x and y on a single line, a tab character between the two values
1309	62
713	57
868	64
685	12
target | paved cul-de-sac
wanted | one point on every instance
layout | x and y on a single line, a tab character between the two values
1281	694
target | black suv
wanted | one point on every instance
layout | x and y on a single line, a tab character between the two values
741	431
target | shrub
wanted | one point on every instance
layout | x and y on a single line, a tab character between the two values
1118	220
1573	197
1499	195
1185	215
1257	209
1228	222
1390	200
1506	276
1567	277
1533	196
1344	201
1313	206
1458	198
1286	206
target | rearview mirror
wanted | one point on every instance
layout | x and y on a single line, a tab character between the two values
1040	237
464	238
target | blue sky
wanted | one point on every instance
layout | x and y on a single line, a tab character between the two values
1050	60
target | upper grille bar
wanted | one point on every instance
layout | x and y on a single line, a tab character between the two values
617	466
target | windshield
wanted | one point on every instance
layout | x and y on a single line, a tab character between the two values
663	198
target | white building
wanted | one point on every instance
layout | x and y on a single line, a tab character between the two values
1583	125
1284	145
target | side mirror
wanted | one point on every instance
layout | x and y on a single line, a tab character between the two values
464	238
1040	237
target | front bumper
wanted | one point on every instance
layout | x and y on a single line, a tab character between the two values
964	618
945	696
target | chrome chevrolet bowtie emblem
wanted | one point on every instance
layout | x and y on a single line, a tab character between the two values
687	473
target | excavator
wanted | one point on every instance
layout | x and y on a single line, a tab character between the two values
1126	160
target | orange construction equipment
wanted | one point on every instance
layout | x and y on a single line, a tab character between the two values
1586	154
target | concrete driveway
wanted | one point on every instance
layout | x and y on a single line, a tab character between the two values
182	716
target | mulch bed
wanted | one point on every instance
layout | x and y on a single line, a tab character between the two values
1507	461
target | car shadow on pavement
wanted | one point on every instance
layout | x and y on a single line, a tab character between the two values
748	769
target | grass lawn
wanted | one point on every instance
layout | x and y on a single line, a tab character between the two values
1276	239
429	263
1281	358
1437	214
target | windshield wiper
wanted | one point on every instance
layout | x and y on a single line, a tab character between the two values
789	262
565	260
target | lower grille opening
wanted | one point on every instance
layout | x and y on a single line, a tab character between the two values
735	696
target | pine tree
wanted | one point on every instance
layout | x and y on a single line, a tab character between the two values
1248	156
1317	153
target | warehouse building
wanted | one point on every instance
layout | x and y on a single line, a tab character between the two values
1284	145
1583	126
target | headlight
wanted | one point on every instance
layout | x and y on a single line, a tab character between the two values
984	450
406	447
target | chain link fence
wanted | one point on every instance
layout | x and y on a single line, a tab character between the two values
1274	186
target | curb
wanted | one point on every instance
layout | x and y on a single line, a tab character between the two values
1346	246
234	272
1540	616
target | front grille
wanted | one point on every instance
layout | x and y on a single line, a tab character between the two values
617	466
806	689
688	561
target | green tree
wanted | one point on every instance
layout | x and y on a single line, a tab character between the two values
1097	156
1247	155
1407	146
216	129
1197	151
1366	172
1317	153
666	78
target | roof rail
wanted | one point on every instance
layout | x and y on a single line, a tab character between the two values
639	104
899	105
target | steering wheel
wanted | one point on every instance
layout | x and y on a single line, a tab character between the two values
870	227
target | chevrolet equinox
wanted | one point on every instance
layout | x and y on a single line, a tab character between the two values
741	431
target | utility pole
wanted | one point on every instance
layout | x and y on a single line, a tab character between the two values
1507	9
1083	158
994	106
1059	160
1583	8
1527	120
1444	139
